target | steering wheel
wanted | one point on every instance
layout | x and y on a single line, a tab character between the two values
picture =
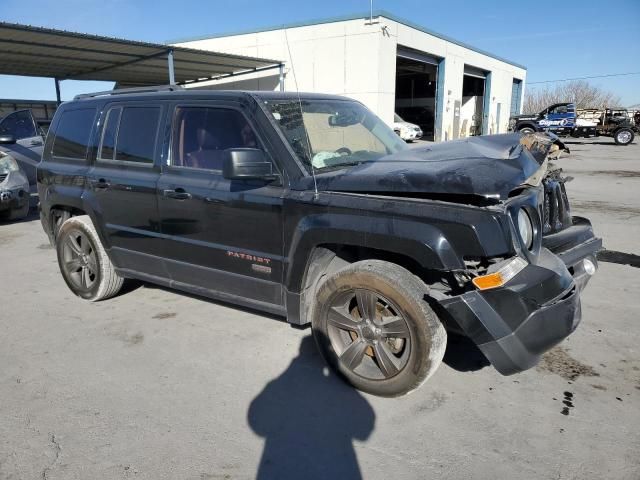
344	150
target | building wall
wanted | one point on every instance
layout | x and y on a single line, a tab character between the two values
358	59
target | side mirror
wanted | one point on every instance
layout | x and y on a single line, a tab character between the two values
247	163
7	139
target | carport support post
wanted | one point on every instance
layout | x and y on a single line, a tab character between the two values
57	90
281	68
172	76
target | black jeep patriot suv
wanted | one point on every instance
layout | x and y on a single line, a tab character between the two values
312	208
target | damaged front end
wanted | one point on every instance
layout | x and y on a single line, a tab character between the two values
518	307
14	189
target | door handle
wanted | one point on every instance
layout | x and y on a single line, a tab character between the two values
101	184
177	194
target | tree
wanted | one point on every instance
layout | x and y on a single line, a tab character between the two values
580	92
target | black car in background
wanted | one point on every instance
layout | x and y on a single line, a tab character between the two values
22	137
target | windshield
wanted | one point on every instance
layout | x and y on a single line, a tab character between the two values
333	133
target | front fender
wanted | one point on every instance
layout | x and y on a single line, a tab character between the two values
424	243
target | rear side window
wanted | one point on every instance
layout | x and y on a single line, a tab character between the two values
73	133
129	134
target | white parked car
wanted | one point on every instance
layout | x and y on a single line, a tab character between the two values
407	131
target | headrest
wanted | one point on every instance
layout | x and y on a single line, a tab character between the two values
207	140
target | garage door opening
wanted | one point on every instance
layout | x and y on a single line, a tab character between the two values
416	90
473	95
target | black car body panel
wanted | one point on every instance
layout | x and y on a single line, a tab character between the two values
448	211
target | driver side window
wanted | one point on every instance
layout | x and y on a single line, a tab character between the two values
19	124
202	134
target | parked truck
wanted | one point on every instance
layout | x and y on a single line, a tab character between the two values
564	119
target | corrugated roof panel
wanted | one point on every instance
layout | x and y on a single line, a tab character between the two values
43	52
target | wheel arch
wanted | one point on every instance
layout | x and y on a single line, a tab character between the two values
319	249
528	125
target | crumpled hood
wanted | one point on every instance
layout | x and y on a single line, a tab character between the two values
488	166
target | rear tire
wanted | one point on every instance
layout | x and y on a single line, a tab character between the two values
623	136
58	217
374	328
526	130
83	261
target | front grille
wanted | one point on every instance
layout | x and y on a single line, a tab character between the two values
556	213
3	177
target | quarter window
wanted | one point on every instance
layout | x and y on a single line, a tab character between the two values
73	133
107	147
201	134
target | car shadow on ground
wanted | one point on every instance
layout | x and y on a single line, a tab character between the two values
463	355
309	418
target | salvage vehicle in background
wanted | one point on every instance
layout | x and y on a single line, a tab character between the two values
407	131
564	119
609	122
559	118
310	207
14	189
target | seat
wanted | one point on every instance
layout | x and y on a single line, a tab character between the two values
209	155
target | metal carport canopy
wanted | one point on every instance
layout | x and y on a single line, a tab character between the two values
43	52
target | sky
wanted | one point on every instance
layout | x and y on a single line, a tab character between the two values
554	39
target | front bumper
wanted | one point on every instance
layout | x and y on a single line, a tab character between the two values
13	198
515	324
411	134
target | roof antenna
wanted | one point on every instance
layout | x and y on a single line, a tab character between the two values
306	134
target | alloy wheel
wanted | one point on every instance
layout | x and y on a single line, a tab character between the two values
624	137
79	260
369	334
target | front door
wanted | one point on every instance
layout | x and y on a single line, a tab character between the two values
123	183
27	149
223	237
559	118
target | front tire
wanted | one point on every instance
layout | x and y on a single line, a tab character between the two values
373	326
83	261
526	130
623	136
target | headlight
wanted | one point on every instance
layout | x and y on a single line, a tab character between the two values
8	164
525	227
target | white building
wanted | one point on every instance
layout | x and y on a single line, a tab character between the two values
450	89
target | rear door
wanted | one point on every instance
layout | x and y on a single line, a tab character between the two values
222	236
123	184
27	149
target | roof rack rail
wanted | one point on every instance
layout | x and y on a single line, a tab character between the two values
123	91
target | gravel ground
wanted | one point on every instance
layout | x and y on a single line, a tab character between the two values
156	384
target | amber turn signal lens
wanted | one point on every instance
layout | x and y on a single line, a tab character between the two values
506	272
489	281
